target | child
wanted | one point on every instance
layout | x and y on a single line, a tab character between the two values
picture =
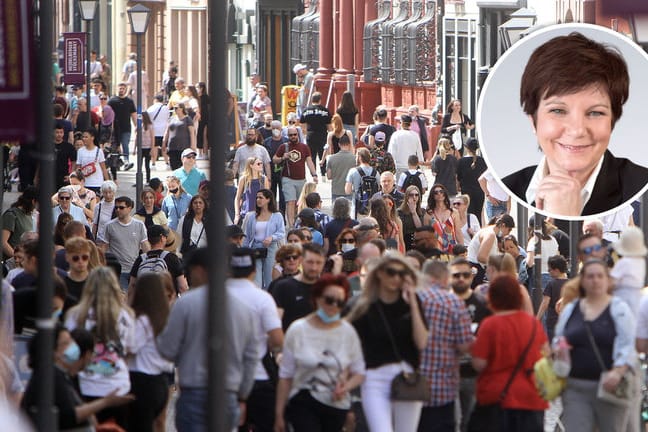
413	176
629	272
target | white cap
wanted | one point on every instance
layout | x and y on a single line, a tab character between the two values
298	67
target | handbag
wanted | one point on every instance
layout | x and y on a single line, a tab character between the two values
487	418
406	386
548	384
622	394
261	253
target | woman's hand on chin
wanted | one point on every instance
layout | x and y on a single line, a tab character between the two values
560	194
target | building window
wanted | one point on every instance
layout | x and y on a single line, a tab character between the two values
460	63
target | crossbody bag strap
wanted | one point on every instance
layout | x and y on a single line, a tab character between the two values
157	113
201	233
597	353
389	333
518	366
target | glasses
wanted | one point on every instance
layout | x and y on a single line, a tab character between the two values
292	258
334	301
465	275
589	249
64	198
103	98
391	272
293	134
83	257
120	207
413	194
309	238
347	240
456	204
438	191
258	163
191	156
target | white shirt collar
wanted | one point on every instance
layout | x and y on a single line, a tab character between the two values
542	170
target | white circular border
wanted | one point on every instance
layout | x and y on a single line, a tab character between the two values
503	103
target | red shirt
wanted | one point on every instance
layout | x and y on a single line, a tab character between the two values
501	339
295	167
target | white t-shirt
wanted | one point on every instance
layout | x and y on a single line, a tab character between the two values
107	371
493	187
264	307
474	225
403	176
101	219
160	122
96	156
629	274
549	248
146	358
313	356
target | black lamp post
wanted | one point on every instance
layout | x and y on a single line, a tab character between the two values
139	19
87	9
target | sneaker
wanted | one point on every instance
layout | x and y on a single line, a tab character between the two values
128	166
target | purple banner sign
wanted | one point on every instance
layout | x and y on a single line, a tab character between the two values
74	45
16	71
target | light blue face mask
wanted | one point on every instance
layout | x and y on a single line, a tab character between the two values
72	353
327	319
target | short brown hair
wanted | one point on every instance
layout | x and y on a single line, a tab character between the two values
568	64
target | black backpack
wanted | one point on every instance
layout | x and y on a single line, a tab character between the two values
412	180
368	187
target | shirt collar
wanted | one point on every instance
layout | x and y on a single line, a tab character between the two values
542	170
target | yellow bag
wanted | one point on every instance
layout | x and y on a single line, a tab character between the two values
548	384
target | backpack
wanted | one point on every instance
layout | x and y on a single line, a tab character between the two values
368	187
152	264
382	160
413	180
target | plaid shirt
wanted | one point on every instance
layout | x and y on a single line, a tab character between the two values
449	326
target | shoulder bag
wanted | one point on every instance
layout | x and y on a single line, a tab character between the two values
91	168
622	395
487	418
406	386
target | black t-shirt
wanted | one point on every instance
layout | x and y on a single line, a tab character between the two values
67	127
383	127
172	261
294	297
553	291
376	345
563	242
478	310
123	108
348	118
75	289
583	360
65	152
317	118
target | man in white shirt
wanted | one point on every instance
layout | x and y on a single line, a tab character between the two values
159	114
497	200
404	143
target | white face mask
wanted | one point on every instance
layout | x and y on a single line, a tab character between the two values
276	133
346	247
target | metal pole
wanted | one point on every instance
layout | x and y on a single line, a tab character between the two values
574	235
138	142
89	99
217	307
46	420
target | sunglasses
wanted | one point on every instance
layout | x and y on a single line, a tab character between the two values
308	238
120	207
589	249
334	301
456	204
465	275
83	257
293	134
349	240
191	156
413	194
438	191
292	258
64	198
103	98
391	272
258	163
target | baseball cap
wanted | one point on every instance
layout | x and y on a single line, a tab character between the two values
242	259
307	213
380	136
298	67
234	231
188	151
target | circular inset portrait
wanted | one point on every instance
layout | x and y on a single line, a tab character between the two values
561	119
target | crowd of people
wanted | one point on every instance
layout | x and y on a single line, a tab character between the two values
410	278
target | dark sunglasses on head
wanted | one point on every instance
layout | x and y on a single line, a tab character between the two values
589	249
391	272
291	258
350	240
83	257
334	301
465	275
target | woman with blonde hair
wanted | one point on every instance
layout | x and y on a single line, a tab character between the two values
102	311
444	166
309	187
176	203
251	182
387	317
468	222
333	138
504	265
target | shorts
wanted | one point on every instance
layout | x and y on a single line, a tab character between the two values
158	141
291	188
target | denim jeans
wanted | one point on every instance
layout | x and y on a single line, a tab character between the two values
124	139
264	266
191	410
495	210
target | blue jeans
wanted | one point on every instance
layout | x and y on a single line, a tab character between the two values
124	139
264	266
495	210
124	279
191	410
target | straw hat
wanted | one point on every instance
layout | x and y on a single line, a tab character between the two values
631	243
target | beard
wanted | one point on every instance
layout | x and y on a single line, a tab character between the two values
250	142
460	289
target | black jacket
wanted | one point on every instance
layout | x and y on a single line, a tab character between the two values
618	181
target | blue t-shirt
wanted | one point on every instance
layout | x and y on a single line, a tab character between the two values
190	181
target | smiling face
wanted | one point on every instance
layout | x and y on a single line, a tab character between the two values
574	131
